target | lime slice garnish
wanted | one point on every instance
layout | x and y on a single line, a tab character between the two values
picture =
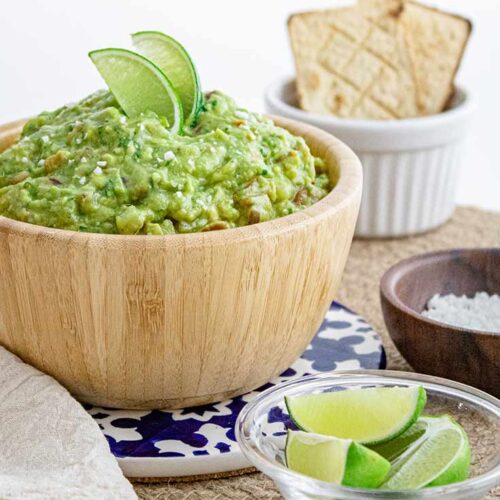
368	416
138	85
173	59
339	461
440	456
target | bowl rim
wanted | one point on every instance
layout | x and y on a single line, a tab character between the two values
390	279
261	461
344	193
461	108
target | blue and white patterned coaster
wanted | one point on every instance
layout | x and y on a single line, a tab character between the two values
193	441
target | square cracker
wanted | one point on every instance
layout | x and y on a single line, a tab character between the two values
436	47
434	42
377	59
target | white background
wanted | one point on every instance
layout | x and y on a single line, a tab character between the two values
239	46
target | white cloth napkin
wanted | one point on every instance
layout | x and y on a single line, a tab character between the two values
50	448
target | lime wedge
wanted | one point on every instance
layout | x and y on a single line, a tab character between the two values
173	59
339	461
395	447
138	85
440	456
368	416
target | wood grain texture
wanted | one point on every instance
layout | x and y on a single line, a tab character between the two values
175	321
469	356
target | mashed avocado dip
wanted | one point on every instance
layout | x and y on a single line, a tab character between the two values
87	167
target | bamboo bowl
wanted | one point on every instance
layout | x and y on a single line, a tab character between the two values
183	320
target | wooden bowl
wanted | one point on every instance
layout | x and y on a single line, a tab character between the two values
469	356
180	320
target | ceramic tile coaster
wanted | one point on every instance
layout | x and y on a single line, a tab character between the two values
200	441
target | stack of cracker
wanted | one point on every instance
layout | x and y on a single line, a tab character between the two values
380	59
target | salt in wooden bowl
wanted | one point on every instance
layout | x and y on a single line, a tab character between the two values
463	354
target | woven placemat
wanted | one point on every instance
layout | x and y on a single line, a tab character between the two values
469	227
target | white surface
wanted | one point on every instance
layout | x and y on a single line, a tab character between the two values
51	448
180	467
239	47
410	167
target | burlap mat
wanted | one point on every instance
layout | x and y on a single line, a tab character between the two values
469	227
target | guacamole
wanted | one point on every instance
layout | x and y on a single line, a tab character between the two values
88	167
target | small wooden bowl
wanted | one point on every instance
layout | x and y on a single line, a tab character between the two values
469	356
180	320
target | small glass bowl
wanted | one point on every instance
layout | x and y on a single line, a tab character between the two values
262	425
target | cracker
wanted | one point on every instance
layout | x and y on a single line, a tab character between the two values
436	45
377	59
349	66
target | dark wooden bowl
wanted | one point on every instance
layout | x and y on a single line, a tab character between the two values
469	356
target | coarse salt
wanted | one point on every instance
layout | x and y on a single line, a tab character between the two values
41	163
169	155
83	159
82	181
481	312
102	163
98	170
45	138
239	113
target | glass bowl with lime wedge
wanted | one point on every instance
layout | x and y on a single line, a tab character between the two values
374	434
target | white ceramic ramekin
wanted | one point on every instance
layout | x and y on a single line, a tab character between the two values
410	166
